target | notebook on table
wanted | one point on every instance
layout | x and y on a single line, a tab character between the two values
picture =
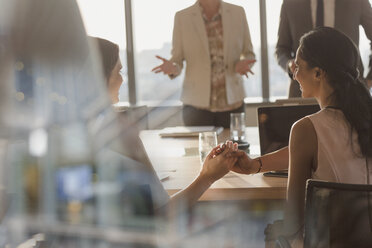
275	122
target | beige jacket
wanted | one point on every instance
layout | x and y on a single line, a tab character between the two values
190	44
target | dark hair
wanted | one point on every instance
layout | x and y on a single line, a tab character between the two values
109	52
338	56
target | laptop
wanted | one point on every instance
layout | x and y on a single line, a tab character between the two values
275	122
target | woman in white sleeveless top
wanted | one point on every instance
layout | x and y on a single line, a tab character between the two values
333	144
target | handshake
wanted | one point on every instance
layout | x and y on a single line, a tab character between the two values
227	157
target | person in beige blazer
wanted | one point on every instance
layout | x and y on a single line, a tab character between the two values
192	42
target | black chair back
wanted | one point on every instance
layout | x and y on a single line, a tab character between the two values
338	215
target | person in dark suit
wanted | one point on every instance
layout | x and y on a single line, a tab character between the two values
297	17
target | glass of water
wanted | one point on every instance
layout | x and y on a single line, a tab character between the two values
207	141
237	127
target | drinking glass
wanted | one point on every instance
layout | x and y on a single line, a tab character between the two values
237	127
207	141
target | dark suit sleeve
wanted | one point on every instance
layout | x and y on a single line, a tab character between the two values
283	49
366	22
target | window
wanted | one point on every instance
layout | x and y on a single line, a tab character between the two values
364	48
365	51
153	28
105	19
279	81
253	83
153	36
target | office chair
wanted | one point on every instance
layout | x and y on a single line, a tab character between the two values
336	215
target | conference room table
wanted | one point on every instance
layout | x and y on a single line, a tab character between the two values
176	161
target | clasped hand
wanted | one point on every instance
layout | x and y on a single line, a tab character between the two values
244	164
224	158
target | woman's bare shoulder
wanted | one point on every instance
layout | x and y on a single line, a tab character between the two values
303	133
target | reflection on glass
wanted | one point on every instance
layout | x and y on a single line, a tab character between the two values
73	169
38	142
61	129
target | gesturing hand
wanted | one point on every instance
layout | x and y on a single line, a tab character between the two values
167	67
244	66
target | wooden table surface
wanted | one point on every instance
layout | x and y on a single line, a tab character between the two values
178	158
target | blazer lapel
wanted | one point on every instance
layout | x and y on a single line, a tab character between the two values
226	26
199	25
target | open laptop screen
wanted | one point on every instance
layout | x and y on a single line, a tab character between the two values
275	122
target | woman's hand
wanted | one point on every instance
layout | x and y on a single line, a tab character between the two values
244	164
244	66
217	164
167	67
218	150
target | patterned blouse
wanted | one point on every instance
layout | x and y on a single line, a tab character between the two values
214	29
